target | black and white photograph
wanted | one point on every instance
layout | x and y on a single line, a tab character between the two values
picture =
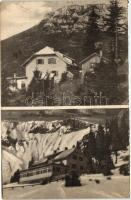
65	154
64	53
64	99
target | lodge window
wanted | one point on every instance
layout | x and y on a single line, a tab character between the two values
49	170
23	85
23	175
14	83
92	65
28	174
73	166
40	61
74	157
81	167
80	158
31	174
58	169
51	61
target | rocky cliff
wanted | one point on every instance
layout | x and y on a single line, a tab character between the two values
64	30
23	141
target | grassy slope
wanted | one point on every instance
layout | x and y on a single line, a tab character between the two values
17	49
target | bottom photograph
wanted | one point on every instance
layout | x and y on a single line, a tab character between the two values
65	154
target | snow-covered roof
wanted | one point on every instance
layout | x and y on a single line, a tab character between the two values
64	154
50	51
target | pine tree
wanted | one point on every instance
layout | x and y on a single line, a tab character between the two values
92	31
106	73
115	26
35	84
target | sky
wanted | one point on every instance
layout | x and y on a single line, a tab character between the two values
17	16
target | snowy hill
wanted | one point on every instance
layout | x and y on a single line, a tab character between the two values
22	142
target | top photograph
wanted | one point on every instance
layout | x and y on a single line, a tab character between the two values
64	53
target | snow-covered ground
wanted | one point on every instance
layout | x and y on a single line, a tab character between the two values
38	145
122	159
116	187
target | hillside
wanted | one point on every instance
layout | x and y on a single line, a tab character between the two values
64	30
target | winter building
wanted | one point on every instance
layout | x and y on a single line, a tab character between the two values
73	159
47	60
89	63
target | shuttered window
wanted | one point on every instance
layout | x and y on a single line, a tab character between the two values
51	61
40	61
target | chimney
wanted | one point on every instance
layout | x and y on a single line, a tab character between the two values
101	54
55	151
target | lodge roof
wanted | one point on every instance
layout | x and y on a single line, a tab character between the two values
50	51
93	55
63	155
45	51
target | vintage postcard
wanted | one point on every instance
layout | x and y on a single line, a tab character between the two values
64	99
64	53
65	154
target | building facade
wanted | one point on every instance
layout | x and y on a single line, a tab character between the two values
48	62
89	63
74	160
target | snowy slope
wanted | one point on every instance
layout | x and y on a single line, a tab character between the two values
10	163
34	145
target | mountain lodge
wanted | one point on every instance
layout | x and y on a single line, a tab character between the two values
53	65
49	62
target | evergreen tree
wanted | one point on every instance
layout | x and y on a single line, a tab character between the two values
106	73
35	85
115	26
115	29
92	31
5	92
